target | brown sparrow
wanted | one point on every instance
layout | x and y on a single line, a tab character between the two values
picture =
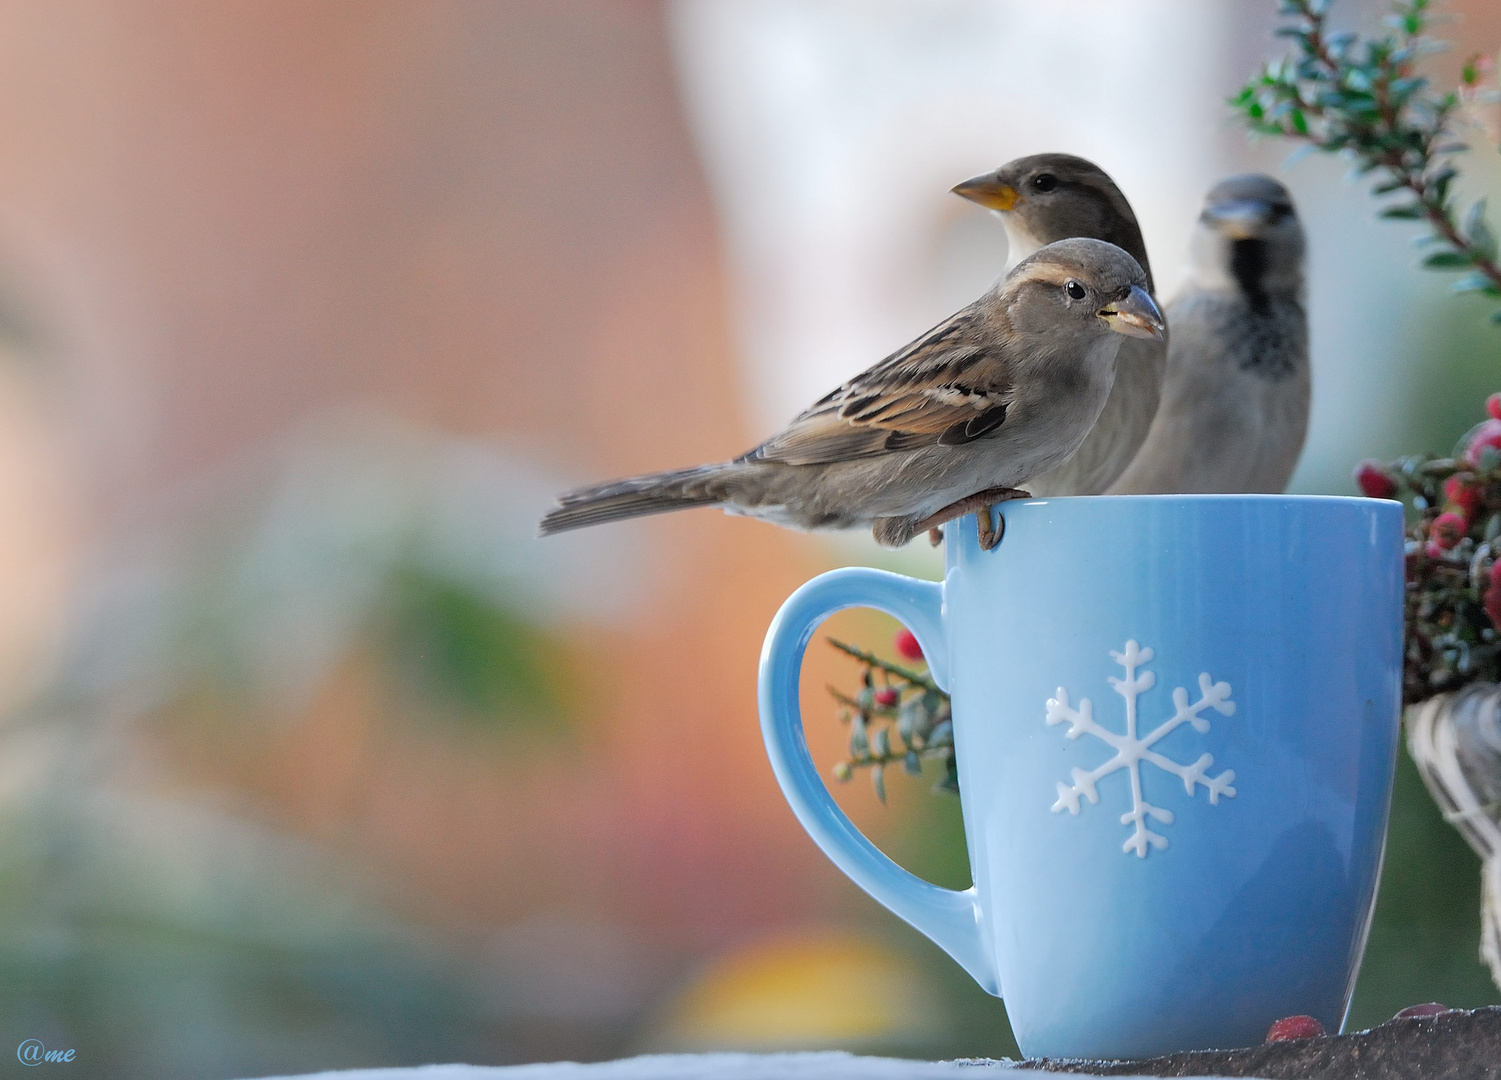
1000	392
1048	197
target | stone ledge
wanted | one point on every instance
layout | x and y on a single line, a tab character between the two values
1455	1045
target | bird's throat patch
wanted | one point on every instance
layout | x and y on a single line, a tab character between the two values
1248	262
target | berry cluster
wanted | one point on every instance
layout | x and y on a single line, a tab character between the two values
899	715
1453	559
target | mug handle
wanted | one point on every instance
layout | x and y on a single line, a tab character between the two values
951	918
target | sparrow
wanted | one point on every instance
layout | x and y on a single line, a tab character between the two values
1000	392
1234	409
1048	197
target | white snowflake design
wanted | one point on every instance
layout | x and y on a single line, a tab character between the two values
1130	750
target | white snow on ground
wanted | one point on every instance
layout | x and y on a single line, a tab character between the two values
810	1066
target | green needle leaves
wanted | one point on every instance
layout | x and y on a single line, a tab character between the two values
1365	99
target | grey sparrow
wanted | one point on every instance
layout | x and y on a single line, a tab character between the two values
1234	409
998	393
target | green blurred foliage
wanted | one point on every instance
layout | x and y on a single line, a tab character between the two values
170	938
1460	366
161	942
458	652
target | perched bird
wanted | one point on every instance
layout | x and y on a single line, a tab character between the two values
1048	197
1234	407
956	421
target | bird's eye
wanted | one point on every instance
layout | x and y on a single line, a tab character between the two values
1044	182
1074	290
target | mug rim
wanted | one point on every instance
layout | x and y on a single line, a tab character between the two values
1357	500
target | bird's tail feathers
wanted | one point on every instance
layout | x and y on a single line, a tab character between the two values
636	496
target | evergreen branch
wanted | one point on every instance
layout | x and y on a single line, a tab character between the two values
844	699
870	659
1365	99
893	756
907	720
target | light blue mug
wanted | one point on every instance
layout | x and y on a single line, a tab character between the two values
1176	720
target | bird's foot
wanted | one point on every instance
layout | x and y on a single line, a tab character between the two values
989	530
935	536
980	504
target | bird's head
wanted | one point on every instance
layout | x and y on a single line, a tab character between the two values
1049	197
1249	239
1080	287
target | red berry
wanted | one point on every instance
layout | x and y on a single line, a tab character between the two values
1294	1027
1492	598
1432	1008
1493	406
886	697
907	646
1462	497
1447	529
1487	435
1374	481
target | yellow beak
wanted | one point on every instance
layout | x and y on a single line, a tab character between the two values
988	192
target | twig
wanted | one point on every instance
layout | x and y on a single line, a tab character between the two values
1374	108
872	660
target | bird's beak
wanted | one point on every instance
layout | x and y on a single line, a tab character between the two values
1135	316
988	192
1239	219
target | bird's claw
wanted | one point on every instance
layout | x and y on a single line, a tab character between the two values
990	529
981	504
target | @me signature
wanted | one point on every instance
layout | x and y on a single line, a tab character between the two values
32	1052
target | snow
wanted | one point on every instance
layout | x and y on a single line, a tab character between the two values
805	1066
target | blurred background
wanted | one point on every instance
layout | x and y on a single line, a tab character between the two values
311	755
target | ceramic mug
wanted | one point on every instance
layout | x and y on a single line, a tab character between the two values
1176	722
